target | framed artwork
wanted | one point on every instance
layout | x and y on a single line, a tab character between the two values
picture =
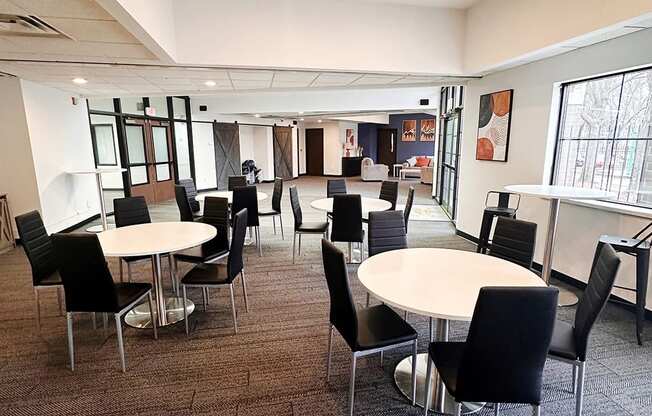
409	131
350	137
427	130
494	125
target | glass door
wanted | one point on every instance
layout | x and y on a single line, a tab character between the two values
450	149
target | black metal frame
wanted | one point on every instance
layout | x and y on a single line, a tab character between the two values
94	140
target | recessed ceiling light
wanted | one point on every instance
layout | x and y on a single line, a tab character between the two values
79	81
319	121
300	112
303	119
257	115
210	83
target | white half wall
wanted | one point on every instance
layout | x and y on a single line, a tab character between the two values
533	128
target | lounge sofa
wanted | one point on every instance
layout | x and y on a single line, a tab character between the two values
412	168
373	172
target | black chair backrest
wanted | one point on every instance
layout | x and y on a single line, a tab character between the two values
191	193
408	206
343	315
277	194
234	263
130	211
514	241
347	218
37	244
335	187
503	199
87	281
236	182
507	345
296	206
386	231
216	213
246	197
185	210
595	296
389	192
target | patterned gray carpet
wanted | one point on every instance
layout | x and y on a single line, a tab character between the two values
275	365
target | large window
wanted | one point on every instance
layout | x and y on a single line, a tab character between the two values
605	136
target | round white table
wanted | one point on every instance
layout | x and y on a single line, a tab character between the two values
156	239
226	194
555	194
368	205
98	179
442	284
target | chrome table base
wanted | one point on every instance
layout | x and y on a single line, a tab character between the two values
139	316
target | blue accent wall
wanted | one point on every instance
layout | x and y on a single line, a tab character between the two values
368	139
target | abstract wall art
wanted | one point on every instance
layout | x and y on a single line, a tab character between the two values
427	130
494	125
409	131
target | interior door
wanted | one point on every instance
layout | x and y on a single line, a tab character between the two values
149	159
315	152
282	141
227	152
387	147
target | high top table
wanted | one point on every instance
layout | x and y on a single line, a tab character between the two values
442	284
156	239
98	179
261	196
555	194
368	205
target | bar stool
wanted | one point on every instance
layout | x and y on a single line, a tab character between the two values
639	248
502	209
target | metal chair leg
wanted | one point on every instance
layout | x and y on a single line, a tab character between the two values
260	246
579	397
382	356
121	347
274	223
105	323
536	410
38	310
280	220
330	348
94	318
235	320
458	409
121	272
294	243
352	383
61	299
367	304
414	373
185	306
574	379
203	296
426	401
173	274
350	252
244	290
496	409
71	347
405	315
129	271
151	313
299	243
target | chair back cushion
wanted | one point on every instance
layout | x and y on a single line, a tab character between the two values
234	263
386	232
507	345
343	315
277	195
185	210
296	206
366	162
595	296
191	193
216	213
236	182
37	244
389	192
87	281
246	197
514	241
335	187
347	218
408	207
130	211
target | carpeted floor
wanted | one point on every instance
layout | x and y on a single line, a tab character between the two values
275	365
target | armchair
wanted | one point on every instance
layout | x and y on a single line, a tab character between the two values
373	172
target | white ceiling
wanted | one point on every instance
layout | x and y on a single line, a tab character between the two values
454	4
116	80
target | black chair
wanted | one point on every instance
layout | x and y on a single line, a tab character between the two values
40	253
207	275
237	181
185	210
301	227
501	209
347	222
514	241
246	197
408	207
89	286
389	192
386	233
276	206
366	331
335	187
505	351
191	194
570	342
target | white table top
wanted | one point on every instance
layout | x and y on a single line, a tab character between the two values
560	192
439	283
368	205
154	238
96	171
226	194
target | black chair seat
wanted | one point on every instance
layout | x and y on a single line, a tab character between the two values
199	254
52	279
312	227
207	274
563	341
136	258
447	357
379	326
268	212
128	293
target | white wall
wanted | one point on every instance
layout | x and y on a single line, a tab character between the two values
532	137
17	174
204	152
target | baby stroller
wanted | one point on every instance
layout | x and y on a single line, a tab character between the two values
250	170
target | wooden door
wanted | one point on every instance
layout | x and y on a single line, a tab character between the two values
149	159
227	152
282	142
387	147
315	152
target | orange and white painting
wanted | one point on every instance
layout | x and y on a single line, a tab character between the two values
409	131
494	125
427	130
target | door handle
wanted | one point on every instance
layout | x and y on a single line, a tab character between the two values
391	143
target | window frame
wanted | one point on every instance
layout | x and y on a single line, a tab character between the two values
95	150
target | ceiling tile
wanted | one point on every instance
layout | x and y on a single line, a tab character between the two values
8	7
250	84
334	79
251	75
290	84
93	30
377	79
83	9
294	76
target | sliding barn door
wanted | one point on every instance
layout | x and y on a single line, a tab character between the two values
227	152
283	152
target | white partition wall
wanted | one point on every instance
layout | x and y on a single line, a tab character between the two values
204	151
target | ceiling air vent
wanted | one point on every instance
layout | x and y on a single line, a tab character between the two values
17	25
